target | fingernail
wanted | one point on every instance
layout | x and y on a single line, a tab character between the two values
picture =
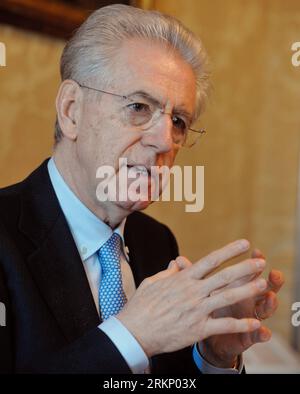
265	337
277	276
171	264
261	284
260	263
244	244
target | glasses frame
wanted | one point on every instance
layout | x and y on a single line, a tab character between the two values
199	132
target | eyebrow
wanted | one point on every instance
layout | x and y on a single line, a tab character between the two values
178	110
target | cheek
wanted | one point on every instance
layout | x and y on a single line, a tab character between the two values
106	141
90	147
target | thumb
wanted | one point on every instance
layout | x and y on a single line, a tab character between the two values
171	270
257	253
183	262
172	264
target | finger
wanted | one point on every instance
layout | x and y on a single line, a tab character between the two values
207	264
229	325
267	307
233	273
234	295
172	263
166	273
276	280
182	262
263	334
257	253
171	270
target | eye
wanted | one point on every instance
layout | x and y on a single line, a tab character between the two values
139	107
179	124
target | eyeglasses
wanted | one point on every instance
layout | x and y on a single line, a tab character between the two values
144	111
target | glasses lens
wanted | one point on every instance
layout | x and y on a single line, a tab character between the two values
193	137
138	112
179	136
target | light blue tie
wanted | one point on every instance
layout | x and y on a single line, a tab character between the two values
111	294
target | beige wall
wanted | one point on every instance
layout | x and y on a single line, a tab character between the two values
28	87
250	152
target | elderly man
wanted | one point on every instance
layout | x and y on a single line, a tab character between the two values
94	286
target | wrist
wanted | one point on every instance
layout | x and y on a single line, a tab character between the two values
136	331
217	359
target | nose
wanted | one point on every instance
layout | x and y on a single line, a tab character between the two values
159	135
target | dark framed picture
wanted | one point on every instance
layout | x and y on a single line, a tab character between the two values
54	17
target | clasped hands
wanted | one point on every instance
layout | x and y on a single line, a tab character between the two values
189	303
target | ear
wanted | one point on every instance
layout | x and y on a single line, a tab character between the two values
68	103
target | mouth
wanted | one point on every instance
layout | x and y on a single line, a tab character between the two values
140	169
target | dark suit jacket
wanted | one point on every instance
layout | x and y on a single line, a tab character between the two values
51	319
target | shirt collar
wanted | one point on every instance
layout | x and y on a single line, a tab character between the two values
89	232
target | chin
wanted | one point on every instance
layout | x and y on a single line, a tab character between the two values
141	205
132	206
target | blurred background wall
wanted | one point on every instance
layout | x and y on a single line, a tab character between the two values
28	86
250	151
251	148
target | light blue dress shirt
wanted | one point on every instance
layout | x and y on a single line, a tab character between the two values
90	233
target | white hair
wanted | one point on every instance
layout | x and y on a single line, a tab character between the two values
91	50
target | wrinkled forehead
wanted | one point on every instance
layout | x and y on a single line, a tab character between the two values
142	65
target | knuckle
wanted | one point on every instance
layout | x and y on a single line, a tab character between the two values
212	260
251	265
226	276
147	282
257	286
216	255
183	262
251	288
201	290
246	341
205	308
228	297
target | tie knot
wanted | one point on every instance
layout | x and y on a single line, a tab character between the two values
109	253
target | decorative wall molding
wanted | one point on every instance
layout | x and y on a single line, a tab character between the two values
144	4
56	17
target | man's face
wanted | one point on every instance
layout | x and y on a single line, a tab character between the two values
105	135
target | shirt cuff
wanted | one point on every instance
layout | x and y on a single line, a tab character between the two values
206	368
127	345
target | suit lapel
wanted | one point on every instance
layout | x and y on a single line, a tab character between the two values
148	252
55	263
134	246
